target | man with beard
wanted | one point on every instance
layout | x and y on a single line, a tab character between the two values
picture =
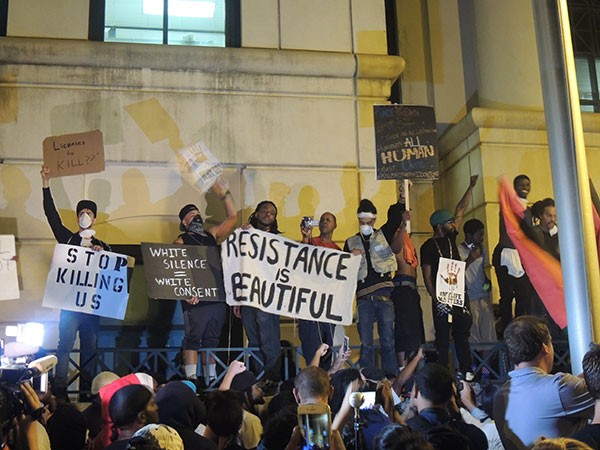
445	317
312	333
262	328
203	320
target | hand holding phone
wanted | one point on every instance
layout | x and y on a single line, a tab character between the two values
315	422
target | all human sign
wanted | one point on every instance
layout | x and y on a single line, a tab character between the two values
405	142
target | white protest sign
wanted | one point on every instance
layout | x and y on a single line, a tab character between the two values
450	282
83	280
284	277
8	268
204	168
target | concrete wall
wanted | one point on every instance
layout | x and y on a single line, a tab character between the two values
292	125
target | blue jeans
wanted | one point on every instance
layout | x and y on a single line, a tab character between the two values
262	330
378	308
70	323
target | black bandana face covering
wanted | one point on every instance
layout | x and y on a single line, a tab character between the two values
196	225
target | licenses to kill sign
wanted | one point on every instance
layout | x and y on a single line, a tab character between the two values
183	271
83	280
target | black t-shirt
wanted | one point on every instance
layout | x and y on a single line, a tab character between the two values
431	253
590	434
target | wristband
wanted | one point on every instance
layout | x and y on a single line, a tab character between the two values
38	413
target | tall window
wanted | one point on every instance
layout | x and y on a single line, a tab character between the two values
211	23
584	17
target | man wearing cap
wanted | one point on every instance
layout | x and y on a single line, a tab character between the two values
374	287
203	320
445	317
72	322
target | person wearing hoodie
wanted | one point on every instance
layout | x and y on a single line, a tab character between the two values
182	410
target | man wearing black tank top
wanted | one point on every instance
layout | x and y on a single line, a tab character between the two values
443	244
203	320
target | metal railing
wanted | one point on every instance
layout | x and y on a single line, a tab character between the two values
490	362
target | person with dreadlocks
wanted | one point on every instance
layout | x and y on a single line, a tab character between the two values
262	328
203	320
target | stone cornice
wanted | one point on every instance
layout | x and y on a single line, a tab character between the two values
205	59
487	118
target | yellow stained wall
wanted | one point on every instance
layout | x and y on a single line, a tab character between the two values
290	125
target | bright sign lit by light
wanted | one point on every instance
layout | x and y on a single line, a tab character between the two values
28	333
181	8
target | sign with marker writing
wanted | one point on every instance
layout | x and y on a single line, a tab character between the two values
74	154
9	279
285	277
450	282
183	271
405	142
203	167
83	280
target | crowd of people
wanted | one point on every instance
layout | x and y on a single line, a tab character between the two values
419	402
424	407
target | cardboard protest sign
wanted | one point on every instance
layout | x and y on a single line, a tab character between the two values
405	142
203	167
83	280
284	277
450	282
74	154
183	271
9	279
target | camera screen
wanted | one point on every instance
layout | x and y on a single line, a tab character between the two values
369	402
316	431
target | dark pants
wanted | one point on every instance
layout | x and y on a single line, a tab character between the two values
461	330
262	330
312	334
70	323
409	332
202	324
510	287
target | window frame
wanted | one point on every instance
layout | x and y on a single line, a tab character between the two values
233	22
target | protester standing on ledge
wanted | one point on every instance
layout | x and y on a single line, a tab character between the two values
445	317
203	320
312	333
72	322
374	288
262	328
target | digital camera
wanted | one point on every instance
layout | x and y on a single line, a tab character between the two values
309	222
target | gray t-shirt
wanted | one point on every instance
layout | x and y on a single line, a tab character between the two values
533	403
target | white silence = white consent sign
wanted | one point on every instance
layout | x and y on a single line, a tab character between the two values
284	277
83	280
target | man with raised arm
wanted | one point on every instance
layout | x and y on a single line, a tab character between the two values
446	317
72	322
203	320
